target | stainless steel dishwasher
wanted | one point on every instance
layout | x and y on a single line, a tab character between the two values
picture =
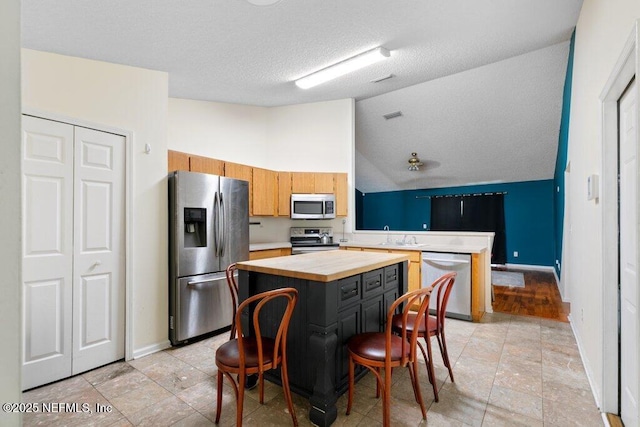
434	265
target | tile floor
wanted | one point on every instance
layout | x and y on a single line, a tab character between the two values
509	370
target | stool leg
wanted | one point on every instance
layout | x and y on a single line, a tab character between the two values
219	397
351	384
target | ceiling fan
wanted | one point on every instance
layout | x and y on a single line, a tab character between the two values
414	162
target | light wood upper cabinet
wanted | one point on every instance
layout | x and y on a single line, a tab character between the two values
177	161
284	193
207	165
237	171
269	191
341	190
244	172
303	182
323	182
265	192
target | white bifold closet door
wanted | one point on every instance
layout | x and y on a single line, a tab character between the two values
73	272
629	294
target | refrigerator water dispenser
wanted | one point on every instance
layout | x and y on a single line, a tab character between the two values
195	227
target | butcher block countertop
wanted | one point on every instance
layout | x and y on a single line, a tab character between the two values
324	266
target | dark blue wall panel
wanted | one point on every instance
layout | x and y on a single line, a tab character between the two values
529	215
561	159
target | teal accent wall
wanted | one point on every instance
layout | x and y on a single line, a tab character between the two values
561	160
528	208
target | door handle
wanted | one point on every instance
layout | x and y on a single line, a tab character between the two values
223	227
197	282
450	261
216	225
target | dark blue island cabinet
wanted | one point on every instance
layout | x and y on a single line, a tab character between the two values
340	294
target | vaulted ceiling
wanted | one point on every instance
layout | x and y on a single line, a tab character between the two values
479	82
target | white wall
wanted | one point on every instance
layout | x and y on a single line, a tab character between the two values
10	249
134	100
602	30
236	133
316	137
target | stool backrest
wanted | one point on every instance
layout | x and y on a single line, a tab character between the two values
258	301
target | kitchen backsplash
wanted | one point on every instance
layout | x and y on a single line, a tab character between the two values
269	229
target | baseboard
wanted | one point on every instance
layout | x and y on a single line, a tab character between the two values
596	396
530	267
153	348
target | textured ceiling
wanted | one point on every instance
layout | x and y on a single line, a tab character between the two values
467	56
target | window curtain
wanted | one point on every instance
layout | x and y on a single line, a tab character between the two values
473	213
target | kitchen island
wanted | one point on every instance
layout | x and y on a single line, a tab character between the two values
341	293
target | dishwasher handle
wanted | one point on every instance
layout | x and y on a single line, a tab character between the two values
450	261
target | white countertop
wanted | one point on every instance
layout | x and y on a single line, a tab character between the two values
270	245
422	247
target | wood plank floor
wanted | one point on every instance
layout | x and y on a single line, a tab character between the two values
539	297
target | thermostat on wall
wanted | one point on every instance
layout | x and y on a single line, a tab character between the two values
592	187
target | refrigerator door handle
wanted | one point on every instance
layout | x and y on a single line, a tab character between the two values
216	226
223	227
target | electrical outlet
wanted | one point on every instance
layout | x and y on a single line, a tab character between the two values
515	254
424	226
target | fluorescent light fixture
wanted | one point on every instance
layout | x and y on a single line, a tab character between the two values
344	67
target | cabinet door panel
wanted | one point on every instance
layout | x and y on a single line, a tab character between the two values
177	161
303	182
341	190
323	183
372	315
284	194
348	326
265	194
206	165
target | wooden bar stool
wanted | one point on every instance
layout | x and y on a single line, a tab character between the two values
256	354
431	326
233	289
376	350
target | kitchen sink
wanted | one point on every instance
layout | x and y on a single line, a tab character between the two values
404	245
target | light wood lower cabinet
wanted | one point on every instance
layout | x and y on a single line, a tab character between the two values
269	253
478	262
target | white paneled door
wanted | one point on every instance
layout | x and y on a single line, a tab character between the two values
629	354
73	250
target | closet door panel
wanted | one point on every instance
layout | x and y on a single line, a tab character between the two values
99	273
47	262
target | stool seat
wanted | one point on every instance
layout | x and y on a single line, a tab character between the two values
431	322
371	345
228	353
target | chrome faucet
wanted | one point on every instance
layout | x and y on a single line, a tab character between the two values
386	228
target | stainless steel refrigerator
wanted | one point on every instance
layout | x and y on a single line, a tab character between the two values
208	230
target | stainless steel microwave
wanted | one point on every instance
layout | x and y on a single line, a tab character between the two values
313	206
